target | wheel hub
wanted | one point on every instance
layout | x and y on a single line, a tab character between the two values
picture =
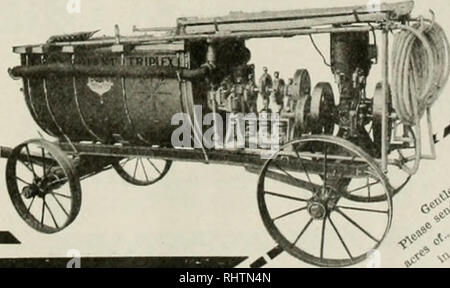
39	187
322	203
30	191
317	210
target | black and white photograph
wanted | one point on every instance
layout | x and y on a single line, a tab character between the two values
225	134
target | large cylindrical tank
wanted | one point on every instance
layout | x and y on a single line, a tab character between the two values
135	110
122	93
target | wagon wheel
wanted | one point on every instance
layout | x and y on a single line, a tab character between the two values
142	171
301	197
43	186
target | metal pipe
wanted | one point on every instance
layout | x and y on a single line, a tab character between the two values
146	39
390	9
155	29
385	96
41	71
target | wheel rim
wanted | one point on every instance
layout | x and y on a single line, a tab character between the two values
398	175
142	171
315	201
43	186
401	156
405	156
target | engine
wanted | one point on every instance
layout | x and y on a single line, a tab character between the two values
298	108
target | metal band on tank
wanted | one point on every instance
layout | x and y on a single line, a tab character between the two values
33	110
181	61
125	103
75	93
50	109
30	101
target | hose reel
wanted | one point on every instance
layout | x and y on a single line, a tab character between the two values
420	69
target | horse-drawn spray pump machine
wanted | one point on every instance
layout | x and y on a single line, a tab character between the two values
325	196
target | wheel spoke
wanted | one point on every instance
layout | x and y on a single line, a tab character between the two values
340	237
126	162
289	213
143	168
154	166
51	214
31	204
61	195
296	180
43	212
363	187
322	241
363	209
285	172
303	231
44	169
28	167
23	181
285	196
60	204
357	225
29	160
304	168
281	177
135	168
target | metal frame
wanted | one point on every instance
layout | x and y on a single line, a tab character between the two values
287	27
231	157
336	20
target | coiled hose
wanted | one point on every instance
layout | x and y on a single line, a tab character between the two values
420	70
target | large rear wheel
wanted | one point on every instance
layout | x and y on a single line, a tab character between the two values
303	200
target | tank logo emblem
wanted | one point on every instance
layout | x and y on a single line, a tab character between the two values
100	86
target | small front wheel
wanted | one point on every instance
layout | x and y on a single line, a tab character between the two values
142	171
43	186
